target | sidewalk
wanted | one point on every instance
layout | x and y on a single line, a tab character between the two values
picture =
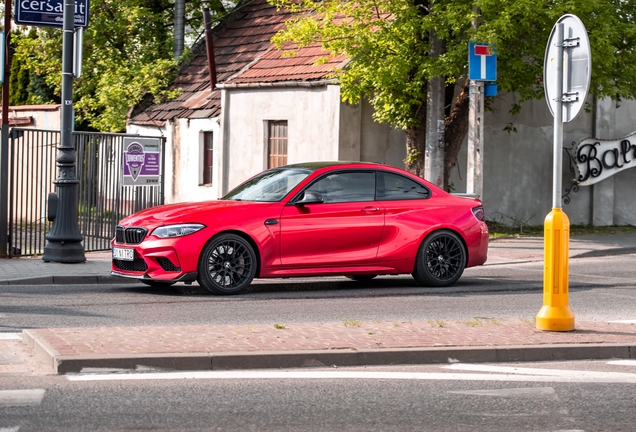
206	347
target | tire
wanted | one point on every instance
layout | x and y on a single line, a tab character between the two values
441	260
362	278
227	265
157	284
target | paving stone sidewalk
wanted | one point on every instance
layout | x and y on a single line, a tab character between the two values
314	344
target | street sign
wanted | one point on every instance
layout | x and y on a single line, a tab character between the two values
482	62
49	13
576	65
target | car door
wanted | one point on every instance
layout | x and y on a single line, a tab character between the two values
344	230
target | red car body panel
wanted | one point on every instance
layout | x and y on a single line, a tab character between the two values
368	237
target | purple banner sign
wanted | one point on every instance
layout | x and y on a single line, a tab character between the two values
141	162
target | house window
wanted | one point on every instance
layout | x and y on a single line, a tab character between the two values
207	158
277	143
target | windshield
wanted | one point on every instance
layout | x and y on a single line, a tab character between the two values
268	186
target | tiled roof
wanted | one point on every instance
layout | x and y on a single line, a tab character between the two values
243	55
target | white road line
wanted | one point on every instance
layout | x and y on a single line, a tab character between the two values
623	321
11	429
510	392
21	397
554	377
583	375
10	336
623	362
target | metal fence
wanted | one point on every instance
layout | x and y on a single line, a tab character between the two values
102	199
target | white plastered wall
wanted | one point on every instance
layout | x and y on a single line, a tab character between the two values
183	163
312	116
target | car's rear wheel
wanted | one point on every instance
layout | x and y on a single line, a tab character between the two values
227	265
157	284
362	278
441	259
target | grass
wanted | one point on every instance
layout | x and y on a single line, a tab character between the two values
438	323
351	322
473	323
279	326
499	230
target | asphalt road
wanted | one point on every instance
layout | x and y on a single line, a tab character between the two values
601	289
565	396
554	396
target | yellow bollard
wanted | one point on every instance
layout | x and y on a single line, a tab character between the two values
555	315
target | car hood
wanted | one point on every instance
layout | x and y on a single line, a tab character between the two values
188	212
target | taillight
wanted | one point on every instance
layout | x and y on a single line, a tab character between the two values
479	212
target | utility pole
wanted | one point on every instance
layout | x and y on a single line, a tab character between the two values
64	240
434	161
475	165
475	161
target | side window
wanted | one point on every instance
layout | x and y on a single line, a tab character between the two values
346	187
396	187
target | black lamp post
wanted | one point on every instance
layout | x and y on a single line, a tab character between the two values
64	240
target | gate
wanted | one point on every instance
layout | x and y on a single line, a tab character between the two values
102	199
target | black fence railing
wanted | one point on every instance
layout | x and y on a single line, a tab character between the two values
102	199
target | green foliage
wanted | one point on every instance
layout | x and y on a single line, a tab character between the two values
387	42
128	52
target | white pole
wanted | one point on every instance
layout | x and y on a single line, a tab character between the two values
558	121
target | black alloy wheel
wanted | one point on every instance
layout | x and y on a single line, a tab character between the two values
227	265
441	259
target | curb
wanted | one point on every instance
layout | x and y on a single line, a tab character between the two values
61	364
67	280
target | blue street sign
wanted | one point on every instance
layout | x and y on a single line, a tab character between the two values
482	62
49	13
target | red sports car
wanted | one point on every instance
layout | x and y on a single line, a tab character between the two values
352	219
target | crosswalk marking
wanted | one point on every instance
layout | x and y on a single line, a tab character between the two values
11	429
623	321
26	397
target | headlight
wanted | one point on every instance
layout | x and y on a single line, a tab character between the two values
181	230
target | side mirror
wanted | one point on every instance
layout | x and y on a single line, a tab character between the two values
310	197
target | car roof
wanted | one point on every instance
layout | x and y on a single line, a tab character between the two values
319	165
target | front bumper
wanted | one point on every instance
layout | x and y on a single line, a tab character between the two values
167	260
186	277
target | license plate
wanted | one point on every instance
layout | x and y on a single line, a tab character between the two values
123	254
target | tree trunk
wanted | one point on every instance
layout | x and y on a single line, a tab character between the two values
415	150
416	145
456	128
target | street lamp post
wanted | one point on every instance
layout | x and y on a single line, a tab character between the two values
64	239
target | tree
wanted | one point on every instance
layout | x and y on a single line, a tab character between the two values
127	54
387	42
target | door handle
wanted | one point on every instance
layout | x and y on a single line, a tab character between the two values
371	209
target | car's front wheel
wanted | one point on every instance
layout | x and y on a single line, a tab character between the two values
441	259
227	265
